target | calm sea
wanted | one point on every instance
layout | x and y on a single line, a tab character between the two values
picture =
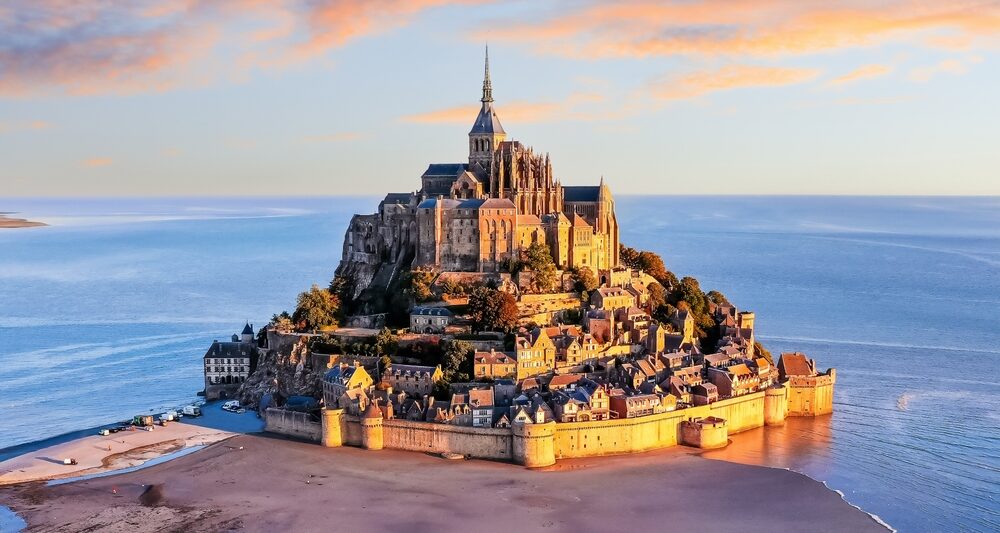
107	313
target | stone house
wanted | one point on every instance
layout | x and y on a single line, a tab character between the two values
612	298
229	364
535	353
342	378
481	404
736	380
704	394
352	401
493	364
429	319
631	406
413	379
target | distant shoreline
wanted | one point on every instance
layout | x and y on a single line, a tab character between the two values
7	222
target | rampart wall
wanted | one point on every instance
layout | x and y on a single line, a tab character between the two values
538	445
292	423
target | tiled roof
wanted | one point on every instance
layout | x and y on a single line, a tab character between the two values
796	364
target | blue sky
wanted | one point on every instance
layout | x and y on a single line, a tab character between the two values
348	97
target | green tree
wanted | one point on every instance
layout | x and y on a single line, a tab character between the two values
628	256
282	322
538	260
584	279
386	342
717	298
456	361
690	291
492	310
657	295
316	308
418	284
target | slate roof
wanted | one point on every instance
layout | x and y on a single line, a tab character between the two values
581	193
430	311
234	350
451	203
445	169
248	329
401	198
487	121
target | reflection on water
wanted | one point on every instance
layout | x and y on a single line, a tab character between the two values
802	444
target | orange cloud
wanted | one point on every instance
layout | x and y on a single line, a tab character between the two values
695	84
866	72
751	27
99	47
30	125
94	162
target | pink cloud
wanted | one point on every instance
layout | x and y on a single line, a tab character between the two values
699	83
101	47
94	162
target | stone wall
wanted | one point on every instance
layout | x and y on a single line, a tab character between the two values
539	445
293	424
630	435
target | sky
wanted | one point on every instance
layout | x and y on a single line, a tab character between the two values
356	97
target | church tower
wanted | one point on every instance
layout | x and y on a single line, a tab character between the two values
487	133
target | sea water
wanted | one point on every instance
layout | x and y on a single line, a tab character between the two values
107	313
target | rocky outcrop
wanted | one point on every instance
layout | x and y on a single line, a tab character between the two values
284	372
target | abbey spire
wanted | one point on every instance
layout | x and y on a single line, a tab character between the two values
486	133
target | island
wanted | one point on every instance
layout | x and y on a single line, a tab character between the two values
490	318
493	313
7	222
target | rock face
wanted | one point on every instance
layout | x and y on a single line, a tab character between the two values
283	372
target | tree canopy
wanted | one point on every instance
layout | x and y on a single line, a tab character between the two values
584	279
492	310
316	308
538	260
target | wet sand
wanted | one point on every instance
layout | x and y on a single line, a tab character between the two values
274	484
97	453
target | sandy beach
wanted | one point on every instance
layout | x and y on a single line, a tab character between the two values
10	223
261	483
97	453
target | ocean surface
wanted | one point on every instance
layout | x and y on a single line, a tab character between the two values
107	313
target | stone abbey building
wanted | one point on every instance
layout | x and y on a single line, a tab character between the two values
472	216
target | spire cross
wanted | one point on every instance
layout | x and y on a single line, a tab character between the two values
487	85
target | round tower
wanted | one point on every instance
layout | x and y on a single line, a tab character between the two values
775	405
371	428
332	427
534	444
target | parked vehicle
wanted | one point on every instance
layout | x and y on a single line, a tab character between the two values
191	410
232	406
104	432
142	421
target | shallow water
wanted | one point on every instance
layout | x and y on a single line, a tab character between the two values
107	313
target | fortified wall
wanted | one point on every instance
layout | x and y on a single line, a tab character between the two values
540	445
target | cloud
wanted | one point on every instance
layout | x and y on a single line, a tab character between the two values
699	83
948	66
95	162
578	106
343	136
865	72
640	28
104	47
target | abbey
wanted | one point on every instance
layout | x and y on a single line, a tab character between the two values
474	216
